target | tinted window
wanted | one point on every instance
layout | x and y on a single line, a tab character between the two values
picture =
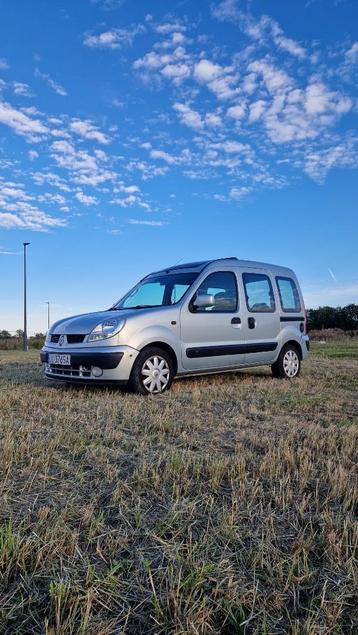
222	285
258	291
290	300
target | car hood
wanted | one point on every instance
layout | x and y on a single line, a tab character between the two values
84	324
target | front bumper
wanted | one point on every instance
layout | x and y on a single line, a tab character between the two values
115	362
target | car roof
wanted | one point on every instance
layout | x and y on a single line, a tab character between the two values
227	262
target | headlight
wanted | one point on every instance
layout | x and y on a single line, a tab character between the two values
106	329
48	337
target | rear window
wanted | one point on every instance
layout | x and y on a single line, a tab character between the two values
258	291
289	298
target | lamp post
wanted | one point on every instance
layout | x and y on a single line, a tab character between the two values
48	315
25	300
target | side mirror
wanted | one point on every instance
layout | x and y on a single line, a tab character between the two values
204	300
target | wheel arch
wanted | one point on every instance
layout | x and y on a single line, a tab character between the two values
295	344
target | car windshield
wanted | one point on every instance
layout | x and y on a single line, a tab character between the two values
157	290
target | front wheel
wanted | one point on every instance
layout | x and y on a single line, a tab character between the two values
288	363
152	373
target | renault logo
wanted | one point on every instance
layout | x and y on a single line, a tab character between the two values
61	340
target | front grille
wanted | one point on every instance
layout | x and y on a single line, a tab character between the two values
71	339
75	339
76	370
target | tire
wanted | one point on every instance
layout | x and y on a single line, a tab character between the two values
288	363
152	372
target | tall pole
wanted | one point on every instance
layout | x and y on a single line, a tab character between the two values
48	315
25	300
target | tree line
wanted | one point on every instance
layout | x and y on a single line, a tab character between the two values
328	317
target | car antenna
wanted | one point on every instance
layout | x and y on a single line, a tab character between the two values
176	263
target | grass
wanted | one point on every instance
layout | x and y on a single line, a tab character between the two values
225	506
346	349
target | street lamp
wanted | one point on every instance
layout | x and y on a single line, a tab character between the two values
25	300
48	315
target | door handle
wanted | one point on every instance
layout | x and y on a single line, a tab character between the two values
236	320
251	322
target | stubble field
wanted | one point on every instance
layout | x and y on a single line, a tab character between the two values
224	506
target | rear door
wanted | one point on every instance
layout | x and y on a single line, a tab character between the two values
211	336
260	316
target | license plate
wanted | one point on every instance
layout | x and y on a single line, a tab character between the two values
59	358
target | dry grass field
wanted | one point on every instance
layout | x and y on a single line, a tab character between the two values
225	506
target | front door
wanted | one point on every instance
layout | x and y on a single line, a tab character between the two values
211	336
260	317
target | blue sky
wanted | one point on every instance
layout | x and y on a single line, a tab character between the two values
133	137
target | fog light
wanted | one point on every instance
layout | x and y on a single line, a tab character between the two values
96	371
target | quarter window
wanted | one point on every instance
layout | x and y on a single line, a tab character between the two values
222	285
290	300
259	293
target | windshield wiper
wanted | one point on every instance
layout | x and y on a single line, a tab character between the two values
138	306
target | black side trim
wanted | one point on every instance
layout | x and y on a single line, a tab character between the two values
106	361
290	318
230	349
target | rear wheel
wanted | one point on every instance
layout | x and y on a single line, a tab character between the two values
288	363
152	373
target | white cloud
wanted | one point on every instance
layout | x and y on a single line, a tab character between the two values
60	90
275	79
213	120
85	199
153	61
22	124
188	116
150	223
33	155
237	112
319	162
205	71
169	27
113	39
4	66
41	178
160	154
87	130
22	89
128	189
262	30
257	108
7	252
352	54
218	79
31	219
128	201
238	193
177	72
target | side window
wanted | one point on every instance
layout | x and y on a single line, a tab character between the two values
259	293
222	285
290	300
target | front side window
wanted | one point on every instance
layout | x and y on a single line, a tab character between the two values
259	293
290	300
222	285
160	290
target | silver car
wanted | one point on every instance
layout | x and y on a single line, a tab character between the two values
189	319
